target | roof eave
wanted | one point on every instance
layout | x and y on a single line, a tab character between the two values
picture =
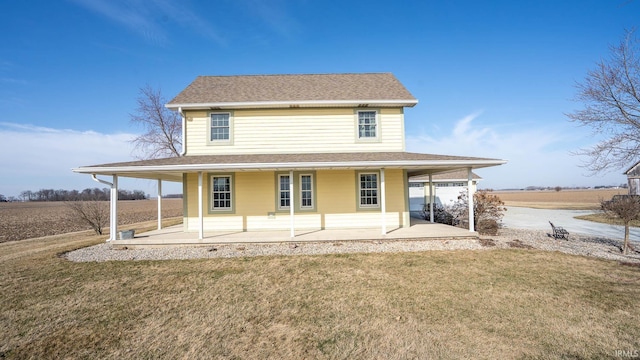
407	164
294	104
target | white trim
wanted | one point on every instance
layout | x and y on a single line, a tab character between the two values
183	151
303	103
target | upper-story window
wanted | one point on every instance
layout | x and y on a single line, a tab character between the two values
367	125
220	128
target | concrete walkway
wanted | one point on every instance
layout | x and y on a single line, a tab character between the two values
538	219
175	235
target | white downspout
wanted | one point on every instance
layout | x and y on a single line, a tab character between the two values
183	151
113	205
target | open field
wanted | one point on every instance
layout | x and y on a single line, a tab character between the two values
437	304
564	199
25	220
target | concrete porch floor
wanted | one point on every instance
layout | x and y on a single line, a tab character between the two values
175	236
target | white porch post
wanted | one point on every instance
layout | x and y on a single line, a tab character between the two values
470	196
431	198
113	228
159	204
200	215
291	204
383	202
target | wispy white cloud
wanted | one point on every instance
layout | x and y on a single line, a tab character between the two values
152	18
537	156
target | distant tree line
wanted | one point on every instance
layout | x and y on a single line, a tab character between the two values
75	195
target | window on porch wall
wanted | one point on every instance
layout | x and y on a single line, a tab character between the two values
368	190
221	193
306	191
284	195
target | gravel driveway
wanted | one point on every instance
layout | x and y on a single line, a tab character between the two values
538	219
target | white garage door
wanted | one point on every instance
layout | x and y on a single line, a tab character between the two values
416	196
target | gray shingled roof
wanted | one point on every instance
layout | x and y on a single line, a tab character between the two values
172	168
294	88
362	158
449	175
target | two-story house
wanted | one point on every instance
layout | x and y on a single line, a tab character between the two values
292	152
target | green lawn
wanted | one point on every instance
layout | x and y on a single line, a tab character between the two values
442	304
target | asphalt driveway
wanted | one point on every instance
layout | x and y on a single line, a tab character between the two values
538	219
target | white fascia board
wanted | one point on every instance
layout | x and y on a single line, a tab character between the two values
276	104
295	165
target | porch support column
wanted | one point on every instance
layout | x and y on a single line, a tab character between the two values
431	198
383	202
113	227
200	215
159	204
292	204
470	197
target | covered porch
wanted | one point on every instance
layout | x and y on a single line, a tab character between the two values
175	236
388	219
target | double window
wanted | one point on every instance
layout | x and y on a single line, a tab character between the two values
220	128
304	187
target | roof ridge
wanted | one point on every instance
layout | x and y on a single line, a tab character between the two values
300	74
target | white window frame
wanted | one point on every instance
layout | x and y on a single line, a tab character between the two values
281	191
310	191
210	129
376	126
212	207
361	189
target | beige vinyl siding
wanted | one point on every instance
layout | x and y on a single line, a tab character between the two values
215	223
295	131
336	204
281	221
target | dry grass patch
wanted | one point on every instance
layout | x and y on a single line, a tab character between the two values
451	304
603	218
564	199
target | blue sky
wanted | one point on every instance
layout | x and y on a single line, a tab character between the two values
494	78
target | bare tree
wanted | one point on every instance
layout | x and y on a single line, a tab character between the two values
611	97
626	208
94	213
163	128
